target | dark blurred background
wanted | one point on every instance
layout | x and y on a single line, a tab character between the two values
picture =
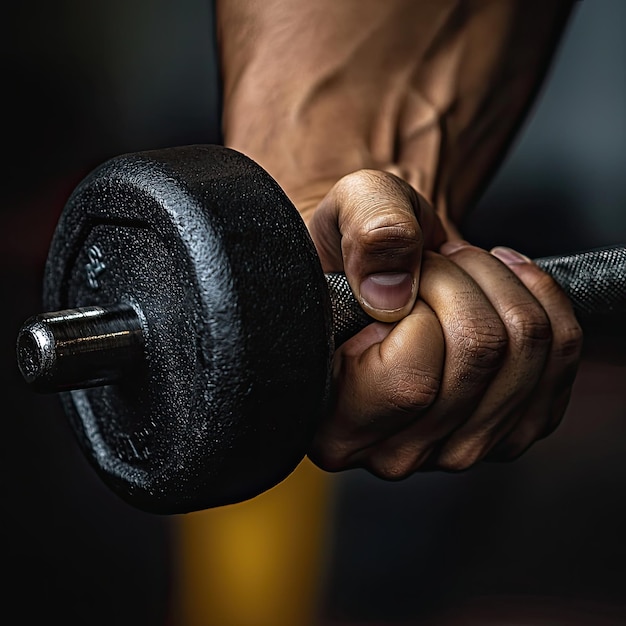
541	539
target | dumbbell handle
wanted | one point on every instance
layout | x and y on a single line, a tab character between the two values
92	346
594	280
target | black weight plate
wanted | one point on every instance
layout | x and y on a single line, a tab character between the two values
237	322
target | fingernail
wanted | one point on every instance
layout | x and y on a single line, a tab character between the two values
509	256
387	291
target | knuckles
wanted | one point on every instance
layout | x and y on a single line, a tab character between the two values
413	390
480	339
460	458
568	343
392	467
528	325
331	456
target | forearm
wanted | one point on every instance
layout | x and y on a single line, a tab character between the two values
433	91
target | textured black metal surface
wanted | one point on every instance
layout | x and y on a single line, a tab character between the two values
236	320
594	280
348	316
239	323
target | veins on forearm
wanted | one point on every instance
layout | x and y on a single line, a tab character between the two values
433	91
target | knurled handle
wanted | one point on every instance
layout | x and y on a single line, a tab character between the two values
594	280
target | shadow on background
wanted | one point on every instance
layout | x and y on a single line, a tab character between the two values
87	81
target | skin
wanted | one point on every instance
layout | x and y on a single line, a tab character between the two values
383	122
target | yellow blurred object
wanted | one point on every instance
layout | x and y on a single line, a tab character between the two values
256	563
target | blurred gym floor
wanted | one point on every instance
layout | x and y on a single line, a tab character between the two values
537	542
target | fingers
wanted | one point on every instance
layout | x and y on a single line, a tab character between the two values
383	377
475	344
551	395
374	227
481	369
527	396
416	387
528	335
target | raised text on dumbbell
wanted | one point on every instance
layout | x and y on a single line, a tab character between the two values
95	266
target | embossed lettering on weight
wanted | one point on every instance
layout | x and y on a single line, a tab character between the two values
95	266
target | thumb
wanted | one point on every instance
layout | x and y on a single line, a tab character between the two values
374	226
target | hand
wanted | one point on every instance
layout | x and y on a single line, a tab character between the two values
481	367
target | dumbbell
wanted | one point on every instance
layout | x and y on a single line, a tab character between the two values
190	327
